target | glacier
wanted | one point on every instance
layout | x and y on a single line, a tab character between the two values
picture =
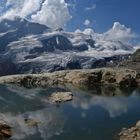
35	48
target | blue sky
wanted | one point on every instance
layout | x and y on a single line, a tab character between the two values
99	15
105	14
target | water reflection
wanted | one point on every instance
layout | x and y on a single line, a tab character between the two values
115	102
108	103
50	123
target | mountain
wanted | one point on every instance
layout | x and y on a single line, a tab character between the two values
7	68
12	30
35	48
133	62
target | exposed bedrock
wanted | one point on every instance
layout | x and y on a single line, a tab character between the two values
132	133
88	78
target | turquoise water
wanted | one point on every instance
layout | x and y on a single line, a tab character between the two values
97	114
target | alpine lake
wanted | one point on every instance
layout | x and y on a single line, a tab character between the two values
99	113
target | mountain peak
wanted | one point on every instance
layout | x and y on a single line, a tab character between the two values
18	23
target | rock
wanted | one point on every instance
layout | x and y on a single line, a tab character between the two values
99	63
138	124
5	130
109	77
128	81
58	97
80	78
132	133
132	63
30	81
127	78
84	77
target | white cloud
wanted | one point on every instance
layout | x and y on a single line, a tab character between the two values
88	31
118	32
53	13
93	7
21	8
119	37
78	31
87	22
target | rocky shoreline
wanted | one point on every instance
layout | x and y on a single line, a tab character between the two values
88	78
122	78
132	133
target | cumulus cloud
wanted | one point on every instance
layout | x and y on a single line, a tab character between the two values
118	32
21	8
88	31
93	7
53	13
78	31
87	22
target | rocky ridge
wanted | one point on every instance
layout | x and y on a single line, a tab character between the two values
87	78
132	63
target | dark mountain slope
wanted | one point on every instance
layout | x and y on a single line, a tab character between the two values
12	30
133	62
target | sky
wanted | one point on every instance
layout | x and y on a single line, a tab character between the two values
103	13
120	17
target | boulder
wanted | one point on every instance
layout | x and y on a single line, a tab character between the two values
5	130
138	124
58	97
132	133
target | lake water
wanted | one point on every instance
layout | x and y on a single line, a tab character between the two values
97	114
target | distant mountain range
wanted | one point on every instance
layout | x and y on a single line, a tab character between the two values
27	47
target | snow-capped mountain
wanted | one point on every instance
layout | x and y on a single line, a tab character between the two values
12	30
35	48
